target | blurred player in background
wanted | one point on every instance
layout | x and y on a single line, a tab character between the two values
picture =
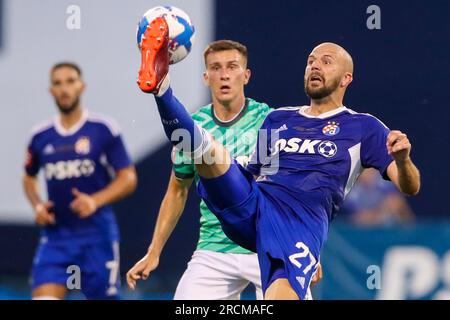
86	168
306	162
219	268
376	202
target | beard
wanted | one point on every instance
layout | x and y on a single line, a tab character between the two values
70	108
322	92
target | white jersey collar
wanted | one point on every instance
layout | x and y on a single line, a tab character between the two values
77	126
325	115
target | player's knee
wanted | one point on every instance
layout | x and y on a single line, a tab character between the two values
280	289
49	292
215	162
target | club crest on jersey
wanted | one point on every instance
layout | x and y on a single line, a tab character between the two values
83	145
331	129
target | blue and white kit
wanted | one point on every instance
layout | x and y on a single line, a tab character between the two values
84	157
305	166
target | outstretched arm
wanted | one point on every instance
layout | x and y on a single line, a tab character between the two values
171	209
402	172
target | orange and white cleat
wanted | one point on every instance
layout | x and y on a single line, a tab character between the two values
155	56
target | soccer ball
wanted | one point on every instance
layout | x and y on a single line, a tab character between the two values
181	30
327	148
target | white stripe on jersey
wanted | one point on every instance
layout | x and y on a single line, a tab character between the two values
110	123
355	167
109	168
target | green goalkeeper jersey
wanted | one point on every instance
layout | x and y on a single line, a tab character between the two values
239	136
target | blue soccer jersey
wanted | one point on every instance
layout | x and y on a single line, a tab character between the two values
318	154
84	157
306	166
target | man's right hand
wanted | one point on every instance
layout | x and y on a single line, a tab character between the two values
318	275
43	216
142	269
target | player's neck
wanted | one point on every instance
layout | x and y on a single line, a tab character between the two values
226	111
72	118
319	106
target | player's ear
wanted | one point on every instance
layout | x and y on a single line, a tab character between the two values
206	78
81	87
346	79
247	75
51	90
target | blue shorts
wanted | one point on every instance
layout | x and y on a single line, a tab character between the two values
286	246
97	265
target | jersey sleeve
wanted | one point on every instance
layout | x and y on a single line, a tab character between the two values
32	161
116	152
183	167
374	152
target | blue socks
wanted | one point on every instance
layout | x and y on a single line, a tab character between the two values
179	127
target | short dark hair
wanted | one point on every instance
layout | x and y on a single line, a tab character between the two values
66	64
222	45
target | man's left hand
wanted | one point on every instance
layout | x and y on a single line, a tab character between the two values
398	145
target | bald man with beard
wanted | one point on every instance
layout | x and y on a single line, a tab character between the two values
306	161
